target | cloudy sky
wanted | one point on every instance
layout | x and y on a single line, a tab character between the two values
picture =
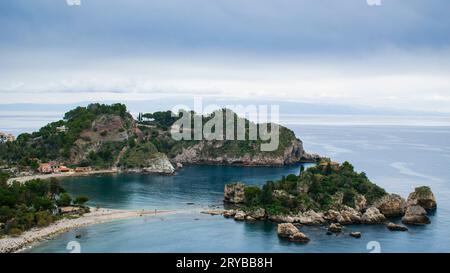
346	52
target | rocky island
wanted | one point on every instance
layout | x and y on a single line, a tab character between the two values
329	194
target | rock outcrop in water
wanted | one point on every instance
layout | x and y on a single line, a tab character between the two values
424	197
335	228
373	216
395	227
257	214
348	216
391	205
289	231
415	215
240	216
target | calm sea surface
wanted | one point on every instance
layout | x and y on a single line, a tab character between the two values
396	158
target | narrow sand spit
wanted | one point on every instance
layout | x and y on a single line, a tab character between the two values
23	179
96	216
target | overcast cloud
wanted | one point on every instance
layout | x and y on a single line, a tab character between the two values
345	52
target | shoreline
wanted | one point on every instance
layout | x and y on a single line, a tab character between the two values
24	179
34	236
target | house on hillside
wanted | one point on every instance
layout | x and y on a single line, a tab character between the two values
53	167
83	169
45	168
63	169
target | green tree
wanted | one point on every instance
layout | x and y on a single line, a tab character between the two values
291	177
43	218
252	196
64	200
81	200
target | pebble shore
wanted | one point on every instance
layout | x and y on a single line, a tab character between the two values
10	244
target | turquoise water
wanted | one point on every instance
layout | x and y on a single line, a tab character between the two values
200	186
397	158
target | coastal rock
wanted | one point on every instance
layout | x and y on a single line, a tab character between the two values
234	193
395	227
249	218
258	213
373	216
391	205
281	218
349	216
289	231
360	202
286	230
311	218
355	234
240	216
299	237
332	215
159	164
213	212
415	215
307	157
422	196
335	228
229	213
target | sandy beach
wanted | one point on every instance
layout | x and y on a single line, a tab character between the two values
23	179
96	216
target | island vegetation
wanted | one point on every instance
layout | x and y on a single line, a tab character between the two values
107	137
327	193
37	203
316	188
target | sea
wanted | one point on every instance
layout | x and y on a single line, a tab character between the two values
395	156
397	153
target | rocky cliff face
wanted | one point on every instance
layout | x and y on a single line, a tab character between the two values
159	164
205	152
104	129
